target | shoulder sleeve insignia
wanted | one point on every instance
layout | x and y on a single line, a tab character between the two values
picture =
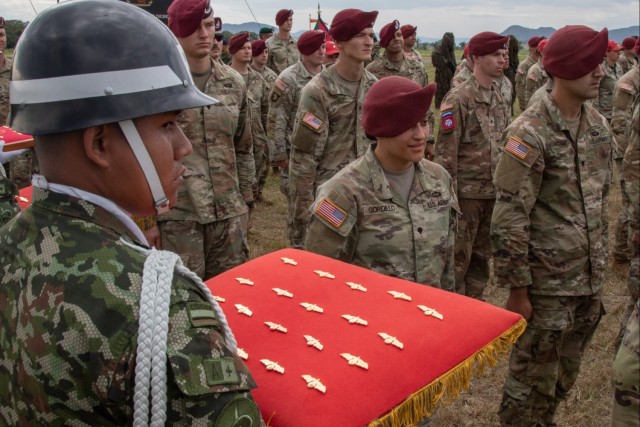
276	327
356	286
311	121
312	307
282	292
400	295
313	342
272	366
448	120
428	311
446	105
355	361
355	320
244	281
391	340
331	213
627	87
289	261
280	85
517	147
244	310
324	274
242	354
314	383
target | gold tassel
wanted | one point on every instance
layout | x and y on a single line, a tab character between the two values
448	387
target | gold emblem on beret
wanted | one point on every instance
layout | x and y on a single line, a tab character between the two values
400	295
272	366
388	339
244	310
428	311
282	292
313	342
355	319
324	274
355	361
356	286
242	354
276	327
314	383
219	299
289	261
312	307
244	281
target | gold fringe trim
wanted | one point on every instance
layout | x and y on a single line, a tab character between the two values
447	387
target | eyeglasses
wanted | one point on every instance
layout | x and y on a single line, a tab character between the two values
219	37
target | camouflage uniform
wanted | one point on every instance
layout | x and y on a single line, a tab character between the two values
69	313
411	240
626	372
604	102
521	81
5	77
270	77
282	53
8	192
414	54
536	78
461	76
540	93
327	136
506	89
626	91
208	225
626	63
258	98
473	119
549	234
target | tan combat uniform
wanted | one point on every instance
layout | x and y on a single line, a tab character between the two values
414	54
521	81
258	97
472	121
327	136
604	102
549	234
626	63
536	78
208	225
282	53
461	76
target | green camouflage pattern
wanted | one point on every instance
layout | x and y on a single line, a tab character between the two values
8	192
625	92
521	81
22	167
5	78
258	98
267	74
506	89
69	304
604	101
461	76
626	63
282	53
626	375
411	240
536	78
549	225
540	93
318	153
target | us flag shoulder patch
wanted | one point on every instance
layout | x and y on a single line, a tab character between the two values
627	87
279	84
312	121
331	213
517	147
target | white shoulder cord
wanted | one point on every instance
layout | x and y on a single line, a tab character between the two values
151	356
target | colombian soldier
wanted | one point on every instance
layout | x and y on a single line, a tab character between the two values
208	226
473	116
8	191
89	315
536	76
549	225
391	210
282	46
328	134
628	56
409	41
612	73
523	69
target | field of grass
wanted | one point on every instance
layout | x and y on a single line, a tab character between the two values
590	401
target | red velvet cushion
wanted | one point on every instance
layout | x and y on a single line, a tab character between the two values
354	396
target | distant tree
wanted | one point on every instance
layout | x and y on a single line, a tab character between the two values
462	45
14	29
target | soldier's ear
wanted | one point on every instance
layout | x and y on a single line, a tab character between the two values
97	142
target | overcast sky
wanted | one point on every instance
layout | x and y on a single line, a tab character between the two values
464	18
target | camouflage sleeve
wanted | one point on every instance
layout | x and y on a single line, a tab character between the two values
530	86
281	109
8	205
517	182
264	105
447	281
21	167
631	168
520	83
451	126
621	121
243	143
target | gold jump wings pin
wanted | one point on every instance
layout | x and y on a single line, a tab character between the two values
428	311
219	299
324	274
355	361
400	295
244	281
282	292
272	366
355	319
276	327
244	310
356	286
289	261
313	342
312	307
388	339
314	383
242	354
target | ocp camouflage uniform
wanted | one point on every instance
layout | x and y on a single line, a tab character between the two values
8	193
626	374
69	313
472	121
327	136
258	98
409	68
208	225
270	77
282	53
521	81
540	93
461	76
625	63
410	239
506	89
5	78
626	91
536	78
549	234
604	102
283	102
22	167
414	54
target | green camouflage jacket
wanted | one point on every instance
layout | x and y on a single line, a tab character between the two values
5	77
69	303
221	170
373	227
604	102
472	121
631	167
536	78
8	192
549	224
521	80
626	63
268	75
258	97
461	76
626	91
282	53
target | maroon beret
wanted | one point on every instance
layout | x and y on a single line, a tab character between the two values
636	47
237	42
395	104
408	30
185	16
310	41
349	22
388	32
541	44
533	41
283	15
628	43
257	47
487	42
612	45
217	24
574	51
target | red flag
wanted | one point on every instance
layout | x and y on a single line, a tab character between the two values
320	25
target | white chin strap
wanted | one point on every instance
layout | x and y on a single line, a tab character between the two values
140	151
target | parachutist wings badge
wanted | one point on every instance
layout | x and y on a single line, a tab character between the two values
428	311
355	319
400	295
242	354
324	274
283	292
356	286
313	342
388	339
244	281
219	299
289	261
244	310
314	383
312	307
272	366
276	327
355	361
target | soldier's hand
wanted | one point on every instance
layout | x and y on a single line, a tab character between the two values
153	237
518	302
284	163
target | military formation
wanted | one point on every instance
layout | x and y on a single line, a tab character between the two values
167	174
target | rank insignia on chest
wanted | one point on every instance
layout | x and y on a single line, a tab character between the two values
331	213
517	147
312	121
448	121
